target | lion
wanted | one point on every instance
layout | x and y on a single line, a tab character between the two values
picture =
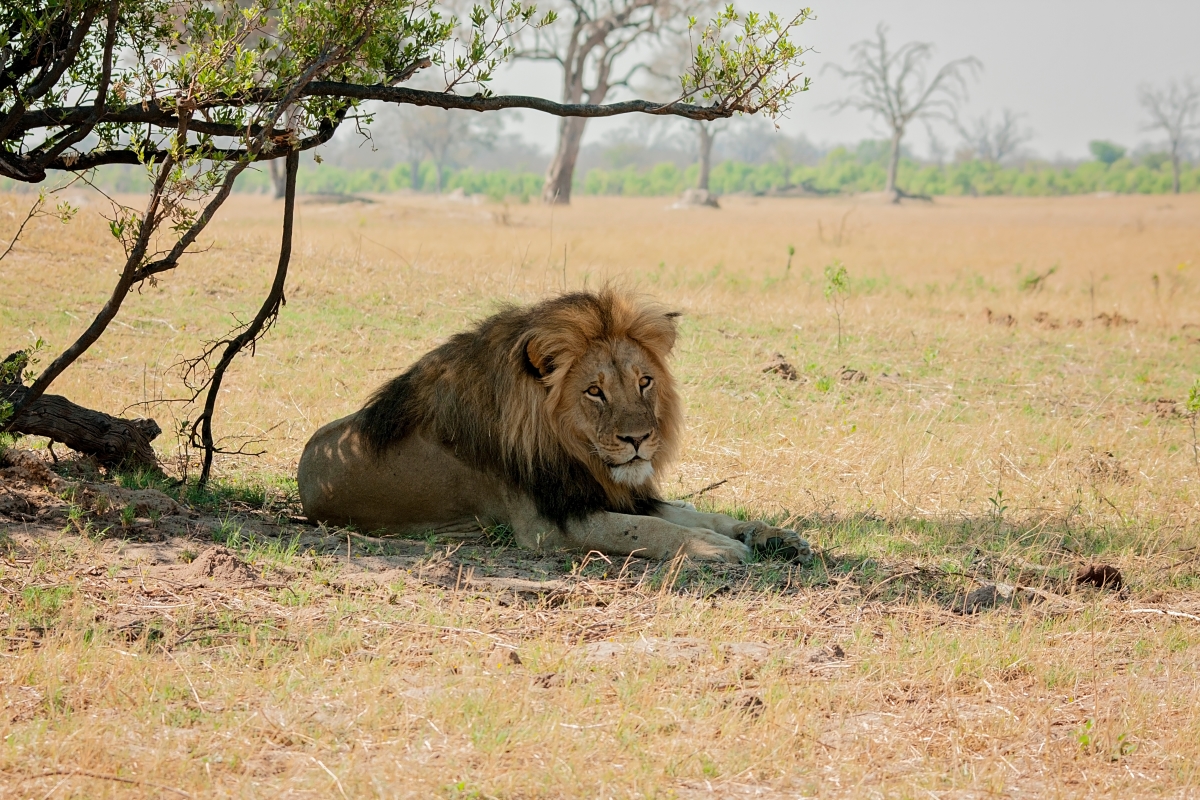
555	420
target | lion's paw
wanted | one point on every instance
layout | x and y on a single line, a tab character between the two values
774	542
706	545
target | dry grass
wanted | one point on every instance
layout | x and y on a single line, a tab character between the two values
974	451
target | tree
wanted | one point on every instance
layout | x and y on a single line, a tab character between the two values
278	173
598	33
994	142
1107	153
894	87
442	136
197	91
662	81
1175	111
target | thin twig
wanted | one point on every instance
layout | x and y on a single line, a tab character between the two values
106	777
186	677
708	488
330	773
1162	612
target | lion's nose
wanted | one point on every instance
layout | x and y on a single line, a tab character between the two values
636	441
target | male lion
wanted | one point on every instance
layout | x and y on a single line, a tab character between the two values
553	419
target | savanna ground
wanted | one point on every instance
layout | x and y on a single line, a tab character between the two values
1005	406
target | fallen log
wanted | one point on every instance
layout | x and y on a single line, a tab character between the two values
113	441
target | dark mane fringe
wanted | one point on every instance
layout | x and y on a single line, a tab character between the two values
482	396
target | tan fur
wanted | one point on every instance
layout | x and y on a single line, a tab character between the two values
555	420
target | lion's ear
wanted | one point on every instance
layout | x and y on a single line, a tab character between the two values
658	332
538	361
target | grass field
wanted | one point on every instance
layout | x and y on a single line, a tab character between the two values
1005	404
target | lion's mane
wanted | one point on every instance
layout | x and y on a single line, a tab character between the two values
493	395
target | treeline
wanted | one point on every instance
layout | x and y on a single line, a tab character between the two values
330	179
841	171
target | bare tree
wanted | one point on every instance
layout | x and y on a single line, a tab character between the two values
588	41
1175	111
895	87
994	142
937	148
661	75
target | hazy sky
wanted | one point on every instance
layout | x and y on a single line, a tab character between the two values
1071	66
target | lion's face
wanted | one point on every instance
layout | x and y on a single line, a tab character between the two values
610	399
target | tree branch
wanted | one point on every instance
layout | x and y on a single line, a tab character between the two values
417	97
156	114
249	336
80	133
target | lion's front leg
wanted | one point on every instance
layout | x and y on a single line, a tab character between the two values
653	537
755	533
622	535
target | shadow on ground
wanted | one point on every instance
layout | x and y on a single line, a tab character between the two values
233	537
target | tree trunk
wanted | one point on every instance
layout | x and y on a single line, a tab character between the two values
414	174
557	188
112	440
893	166
1175	166
705	137
278	178
263	320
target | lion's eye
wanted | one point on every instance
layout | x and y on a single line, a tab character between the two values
645	381
594	391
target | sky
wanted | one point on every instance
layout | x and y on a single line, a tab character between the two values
1072	67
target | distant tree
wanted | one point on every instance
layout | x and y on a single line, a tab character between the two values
895	87
756	141
937	148
594	36
1105	152
994	142
662	72
591	37
444	137
1175	111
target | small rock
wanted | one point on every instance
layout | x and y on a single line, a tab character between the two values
1166	408
779	365
1105	466
1044	319
755	651
1007	320
1103	576
987	596
548	681
851	375
1114	320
